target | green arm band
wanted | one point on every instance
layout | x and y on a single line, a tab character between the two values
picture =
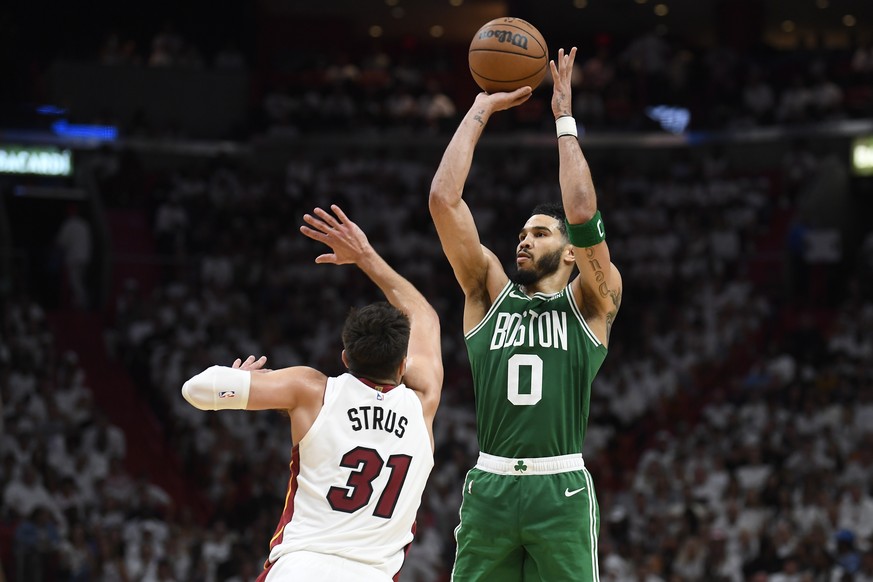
587	235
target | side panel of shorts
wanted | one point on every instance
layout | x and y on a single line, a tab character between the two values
559	527
489	544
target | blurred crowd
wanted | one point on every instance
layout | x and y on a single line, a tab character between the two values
730	430
731	427
618	83
382	87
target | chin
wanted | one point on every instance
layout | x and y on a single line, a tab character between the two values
524	277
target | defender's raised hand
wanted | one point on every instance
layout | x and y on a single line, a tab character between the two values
345	238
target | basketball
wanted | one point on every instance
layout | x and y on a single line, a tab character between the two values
508	53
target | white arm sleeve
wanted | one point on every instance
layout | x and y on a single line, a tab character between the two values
218	388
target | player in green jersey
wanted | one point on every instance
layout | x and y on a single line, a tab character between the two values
535	342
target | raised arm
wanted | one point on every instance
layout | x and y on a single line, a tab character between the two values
471	262
598	288
424	368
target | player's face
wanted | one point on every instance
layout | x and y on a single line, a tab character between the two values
540	249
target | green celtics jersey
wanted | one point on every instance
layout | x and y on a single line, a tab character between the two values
533	361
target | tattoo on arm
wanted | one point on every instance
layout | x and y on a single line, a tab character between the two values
478	117
604	290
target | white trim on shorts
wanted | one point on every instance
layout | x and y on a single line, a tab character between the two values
530	466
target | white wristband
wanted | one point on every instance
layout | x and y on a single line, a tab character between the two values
218	388
566	125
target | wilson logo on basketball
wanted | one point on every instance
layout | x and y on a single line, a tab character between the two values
515	39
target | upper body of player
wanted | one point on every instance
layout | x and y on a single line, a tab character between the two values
514	325
363	441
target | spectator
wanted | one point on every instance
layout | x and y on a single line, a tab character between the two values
74	241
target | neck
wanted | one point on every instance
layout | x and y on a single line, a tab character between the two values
548	285
381	381
382	386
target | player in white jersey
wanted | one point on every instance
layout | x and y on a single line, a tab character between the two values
363	441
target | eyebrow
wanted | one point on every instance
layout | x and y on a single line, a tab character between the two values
545	228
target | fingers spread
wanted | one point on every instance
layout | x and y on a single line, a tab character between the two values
339	212
314	234
327	217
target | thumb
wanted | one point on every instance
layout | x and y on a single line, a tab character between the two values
326	258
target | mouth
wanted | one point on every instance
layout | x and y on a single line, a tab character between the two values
522	258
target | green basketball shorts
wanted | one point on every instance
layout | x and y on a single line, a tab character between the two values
521	521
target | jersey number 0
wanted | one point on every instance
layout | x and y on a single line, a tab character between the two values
513	393
366	465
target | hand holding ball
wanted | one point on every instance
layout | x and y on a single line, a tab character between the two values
508	53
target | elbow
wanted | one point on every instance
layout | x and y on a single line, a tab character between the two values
217	388
436	201
441	197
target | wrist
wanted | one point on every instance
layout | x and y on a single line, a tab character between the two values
566	125
367	258
480	112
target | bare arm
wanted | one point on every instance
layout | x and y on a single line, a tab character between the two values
424	368
477	270
598	288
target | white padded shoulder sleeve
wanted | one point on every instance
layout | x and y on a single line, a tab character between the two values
218	388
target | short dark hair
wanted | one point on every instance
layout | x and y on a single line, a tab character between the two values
376	338
554	210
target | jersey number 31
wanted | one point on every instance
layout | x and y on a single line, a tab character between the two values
366	465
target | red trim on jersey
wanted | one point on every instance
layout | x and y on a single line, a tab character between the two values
405	554
378	387
287	511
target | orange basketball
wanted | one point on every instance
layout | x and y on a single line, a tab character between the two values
508	53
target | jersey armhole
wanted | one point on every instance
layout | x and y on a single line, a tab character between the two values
328	399
575	308
490	313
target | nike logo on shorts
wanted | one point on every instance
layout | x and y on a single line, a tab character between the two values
568	493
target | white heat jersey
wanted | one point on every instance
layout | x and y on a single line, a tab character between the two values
357	476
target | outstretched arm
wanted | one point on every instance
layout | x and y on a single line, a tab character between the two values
424	369
598	288
248	385
454	223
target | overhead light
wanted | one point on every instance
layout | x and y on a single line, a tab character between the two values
788	26
375	31
436	31
822	3
580	3
661	10
456	2
849	20
671	118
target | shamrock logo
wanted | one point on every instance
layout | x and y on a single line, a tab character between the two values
520	466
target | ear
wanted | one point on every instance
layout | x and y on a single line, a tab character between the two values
345	359
570	255
401	370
